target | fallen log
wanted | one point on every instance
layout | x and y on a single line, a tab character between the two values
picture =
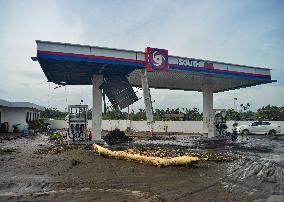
156	161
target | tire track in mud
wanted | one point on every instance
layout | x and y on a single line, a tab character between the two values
83	194
255	176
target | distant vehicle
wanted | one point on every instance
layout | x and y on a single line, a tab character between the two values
259	127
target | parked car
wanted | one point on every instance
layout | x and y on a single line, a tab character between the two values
259	127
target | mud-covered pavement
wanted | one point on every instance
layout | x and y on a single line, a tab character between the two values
75	173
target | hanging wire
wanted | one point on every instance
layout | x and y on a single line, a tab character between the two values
48	96
66	98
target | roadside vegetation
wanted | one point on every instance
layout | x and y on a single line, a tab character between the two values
269	112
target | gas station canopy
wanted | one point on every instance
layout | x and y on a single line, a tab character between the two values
72	64
115	71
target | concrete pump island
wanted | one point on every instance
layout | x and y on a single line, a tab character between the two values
85	162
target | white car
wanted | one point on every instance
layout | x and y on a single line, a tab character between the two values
259	127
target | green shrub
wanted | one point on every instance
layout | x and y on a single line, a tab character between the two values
56	136
36	124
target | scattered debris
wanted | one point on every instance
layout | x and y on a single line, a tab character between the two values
116	137
212	143
75	162
9	137
171	138
56	149
169	152
255	148
217	156
155	137
50	150
7	150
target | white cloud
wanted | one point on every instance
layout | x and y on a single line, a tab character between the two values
244	32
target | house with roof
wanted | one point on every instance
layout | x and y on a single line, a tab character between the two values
13	113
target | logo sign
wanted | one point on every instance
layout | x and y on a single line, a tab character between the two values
195	63
156	59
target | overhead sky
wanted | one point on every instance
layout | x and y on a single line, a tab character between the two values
248	32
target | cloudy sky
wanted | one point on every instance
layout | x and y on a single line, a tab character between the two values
249	32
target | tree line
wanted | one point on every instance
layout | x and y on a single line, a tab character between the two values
269	112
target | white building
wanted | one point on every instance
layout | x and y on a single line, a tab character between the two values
18	113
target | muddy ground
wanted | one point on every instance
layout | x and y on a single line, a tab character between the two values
30	172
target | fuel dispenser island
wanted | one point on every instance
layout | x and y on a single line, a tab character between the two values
77	121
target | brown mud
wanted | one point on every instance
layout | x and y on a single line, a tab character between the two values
34	169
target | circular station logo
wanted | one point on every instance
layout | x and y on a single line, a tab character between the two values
156	59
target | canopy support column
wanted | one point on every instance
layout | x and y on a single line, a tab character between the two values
208	116
97	108
147	96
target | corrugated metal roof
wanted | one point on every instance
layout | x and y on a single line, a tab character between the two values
4	103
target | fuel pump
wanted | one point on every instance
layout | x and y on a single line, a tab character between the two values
219	124
77	121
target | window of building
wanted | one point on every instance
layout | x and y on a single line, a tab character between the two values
27	117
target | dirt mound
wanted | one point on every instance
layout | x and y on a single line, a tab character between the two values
116	137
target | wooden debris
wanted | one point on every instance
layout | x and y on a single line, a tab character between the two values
116	137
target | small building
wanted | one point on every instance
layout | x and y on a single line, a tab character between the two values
18	113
